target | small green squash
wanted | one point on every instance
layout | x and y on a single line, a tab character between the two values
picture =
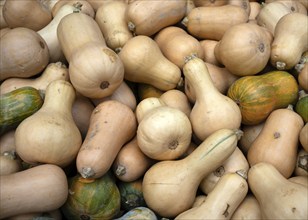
258	95
142	213
17	105
92	199
302	105
131	194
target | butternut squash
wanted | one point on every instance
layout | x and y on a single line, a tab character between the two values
300	180
50	135
146	105
50	182
7	142
208	49
301	167
146	90
277	144
278	197
164	133
303	137
248	209
54	214
236	161
9	163
144	63
84	5
148	17
109	119
210	104
26	13
53	71
111	19
176	45
255	8
210	3
3	23
290	28
24	53
255	50
220	203
303	77
203	22
241	3
176	181
131	163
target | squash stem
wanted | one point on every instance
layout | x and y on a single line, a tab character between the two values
87	172
120	171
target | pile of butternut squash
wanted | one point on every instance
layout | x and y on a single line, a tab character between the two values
146	109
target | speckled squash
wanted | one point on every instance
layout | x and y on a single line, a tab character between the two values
92	198
257	96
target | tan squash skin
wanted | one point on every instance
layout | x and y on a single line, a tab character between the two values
176	181
146	105
75	30
299	179
255	8
131	163
164	133
97	3
254	54
53	71
148	17
305	3
203	22
111	19
278	197
199	200
81	110
144	63
50	135
303	137
303	77
9	163
4	31
285	55
23	52
189	6
145	91
177	99
277	144
95	70
210	3
15	190
251	132
49	33
221	203
236	161
109	119
123	94
301	167
3	23
248	209
84	5
176	44
208	49
210	104
26	14
242	3
7	141
295	6
55	214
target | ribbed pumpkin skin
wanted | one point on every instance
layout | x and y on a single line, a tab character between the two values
17	105
92	199
258	95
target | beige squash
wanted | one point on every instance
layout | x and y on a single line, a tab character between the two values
148	17
144	63
220	203
176	181
84	6
241	3
301	167
210	3
50	135
176	45
112	21
300	180
278	197
7	141
286	48
50	182
208	49
211	106
9	163
248	209
303	77
164	133
255	8
109	119
3	23
303	137
53	71
146	105
277	144
146	90
24	53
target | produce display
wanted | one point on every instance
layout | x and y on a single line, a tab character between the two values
153	110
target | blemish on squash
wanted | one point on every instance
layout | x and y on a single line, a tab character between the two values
293	209
104	85
110	54
219	171
277	135
42	45
71	192
303	162
173	145
226	212
85	217
261	47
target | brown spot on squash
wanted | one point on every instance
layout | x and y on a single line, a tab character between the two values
112	55
104	85
277	135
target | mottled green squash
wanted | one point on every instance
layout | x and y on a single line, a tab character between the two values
141	213
302	106
131	194
17	105
258	95
92	199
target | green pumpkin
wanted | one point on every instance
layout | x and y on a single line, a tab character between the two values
91	199
131	194
142	213
257	96
302	107
17	105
